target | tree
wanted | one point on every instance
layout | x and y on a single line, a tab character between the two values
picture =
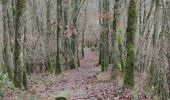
167	23
84	29
74	5
18	49
48	35
154	68
6	49
130	44
105	35
58	69
100	22
115	33
66	38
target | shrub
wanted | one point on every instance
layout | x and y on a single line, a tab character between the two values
4	80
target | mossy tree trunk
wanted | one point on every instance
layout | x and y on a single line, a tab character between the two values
105	36
66	43
25	84
6	49
115	51
18	49
120	44
130	43
58	68
48	35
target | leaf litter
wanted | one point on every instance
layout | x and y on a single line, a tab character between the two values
82	84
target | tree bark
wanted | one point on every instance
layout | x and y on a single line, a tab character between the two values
130	43
48	35
168	36
84	30
6	49
18	50
154	68
58	69
105	36
115	33
100	22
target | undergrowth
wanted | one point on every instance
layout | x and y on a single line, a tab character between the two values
4	82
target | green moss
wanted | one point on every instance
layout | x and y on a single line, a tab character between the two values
49	65
120	36
72	64
130	44
18	49
58	69
120	43
119	66
1	67
123	64
129	69
25	80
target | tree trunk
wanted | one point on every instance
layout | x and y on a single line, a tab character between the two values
130	43
25	56
115	51
66	29
154	68
168	36
18	50
84	29
58	69
48	35
73	57
6	50
105	36
100	22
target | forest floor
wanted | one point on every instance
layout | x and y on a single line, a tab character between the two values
83	83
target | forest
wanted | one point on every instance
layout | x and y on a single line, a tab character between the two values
84	49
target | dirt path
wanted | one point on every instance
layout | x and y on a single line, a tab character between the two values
81	83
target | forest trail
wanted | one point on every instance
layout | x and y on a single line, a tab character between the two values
82	84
